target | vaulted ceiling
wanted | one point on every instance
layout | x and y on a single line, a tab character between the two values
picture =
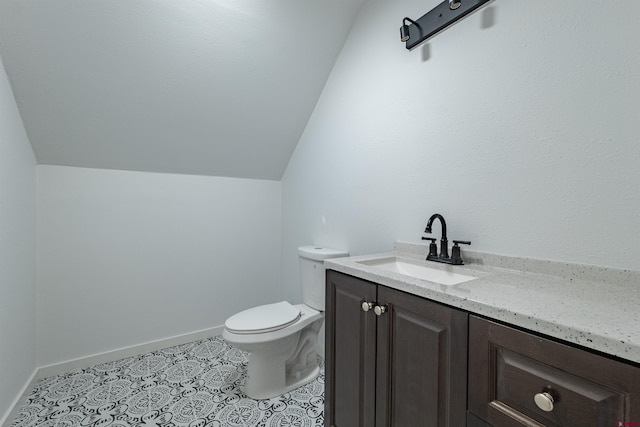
210	87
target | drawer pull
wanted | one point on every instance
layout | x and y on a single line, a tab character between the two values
544	401
366	306
380	310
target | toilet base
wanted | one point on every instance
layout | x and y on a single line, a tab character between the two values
288	364
294	382
267	379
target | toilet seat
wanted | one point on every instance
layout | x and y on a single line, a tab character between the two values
263	319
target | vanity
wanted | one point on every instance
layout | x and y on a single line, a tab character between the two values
500	341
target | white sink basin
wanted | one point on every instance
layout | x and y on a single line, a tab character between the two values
418	271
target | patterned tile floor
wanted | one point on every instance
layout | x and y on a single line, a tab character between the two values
199	384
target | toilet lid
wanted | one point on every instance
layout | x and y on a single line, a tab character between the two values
262	319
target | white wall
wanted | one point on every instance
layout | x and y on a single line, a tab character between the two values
17	251
130	257
520	125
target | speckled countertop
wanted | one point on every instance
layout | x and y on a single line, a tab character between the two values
595	307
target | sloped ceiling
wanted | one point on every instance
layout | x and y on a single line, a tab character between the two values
210	87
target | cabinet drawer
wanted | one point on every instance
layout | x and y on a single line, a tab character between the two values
508	368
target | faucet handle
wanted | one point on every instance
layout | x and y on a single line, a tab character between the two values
433	248
461	242
456	259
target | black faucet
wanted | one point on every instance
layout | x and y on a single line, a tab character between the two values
444	243
455	258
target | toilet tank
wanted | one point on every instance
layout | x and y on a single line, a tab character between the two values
312	273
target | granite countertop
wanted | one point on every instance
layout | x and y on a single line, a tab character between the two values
595	307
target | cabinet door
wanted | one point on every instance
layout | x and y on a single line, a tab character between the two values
422	362
508	368
350	352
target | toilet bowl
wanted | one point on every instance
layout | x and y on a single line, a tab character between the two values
281	357
281	338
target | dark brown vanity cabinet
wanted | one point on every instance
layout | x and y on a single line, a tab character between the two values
395	359
392	359
520	379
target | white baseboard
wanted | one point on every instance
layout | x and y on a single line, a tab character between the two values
122	353
17	403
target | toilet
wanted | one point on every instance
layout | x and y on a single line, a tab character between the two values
281	338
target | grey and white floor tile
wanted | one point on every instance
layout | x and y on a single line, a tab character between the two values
199	384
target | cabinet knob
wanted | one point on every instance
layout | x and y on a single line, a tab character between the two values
544	401
366	306
380	310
